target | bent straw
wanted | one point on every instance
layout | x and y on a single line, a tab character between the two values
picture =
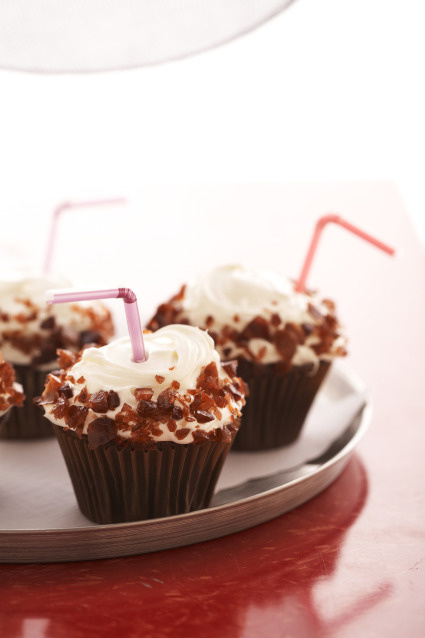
321	223
130	305
55	220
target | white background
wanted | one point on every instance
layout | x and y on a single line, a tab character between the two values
328	90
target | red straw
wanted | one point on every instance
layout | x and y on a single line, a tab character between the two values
55	219
130	305
321	223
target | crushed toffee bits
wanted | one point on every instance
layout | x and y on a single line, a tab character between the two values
102	416
275	323
9	394
38	337
284	337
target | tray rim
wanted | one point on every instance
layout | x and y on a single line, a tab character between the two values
328	472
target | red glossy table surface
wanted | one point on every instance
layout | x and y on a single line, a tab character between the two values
348	563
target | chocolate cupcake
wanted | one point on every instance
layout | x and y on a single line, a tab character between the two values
145	440
284	342
31	332
10	392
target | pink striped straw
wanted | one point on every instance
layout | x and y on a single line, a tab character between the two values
55	221
321	223
130	305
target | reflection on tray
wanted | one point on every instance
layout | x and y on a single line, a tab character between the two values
338	403
51	528
217	588
277	479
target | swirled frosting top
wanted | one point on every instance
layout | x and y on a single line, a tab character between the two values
182	393
179	352
236	294
256	315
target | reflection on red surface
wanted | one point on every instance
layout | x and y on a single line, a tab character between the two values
219	588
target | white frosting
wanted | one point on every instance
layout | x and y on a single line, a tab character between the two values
175	352
229	291
20	285
233	295
25	284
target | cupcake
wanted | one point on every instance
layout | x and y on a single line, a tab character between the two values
10	392
31	332
284	342
145	440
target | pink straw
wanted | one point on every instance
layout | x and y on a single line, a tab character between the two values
130	305
55	219
321	223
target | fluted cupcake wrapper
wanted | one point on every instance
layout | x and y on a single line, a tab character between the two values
4	419
277	405
28	422
114	485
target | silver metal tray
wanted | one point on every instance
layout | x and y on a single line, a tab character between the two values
235	508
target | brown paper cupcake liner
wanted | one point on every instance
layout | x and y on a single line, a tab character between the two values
28	422
277	405
4	418
115	485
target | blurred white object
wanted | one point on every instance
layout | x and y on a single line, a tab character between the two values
78	36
